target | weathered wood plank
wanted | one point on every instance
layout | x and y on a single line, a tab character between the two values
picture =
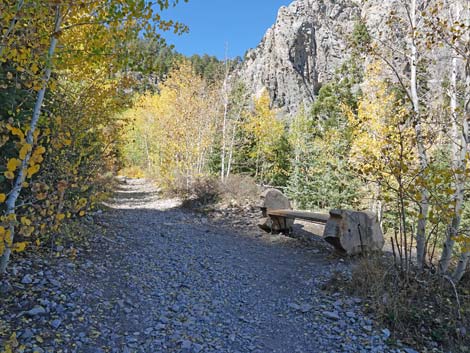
308	216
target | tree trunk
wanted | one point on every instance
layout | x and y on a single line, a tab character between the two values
224	121
20	178
459	135
422	156
464	258
230	153
147	153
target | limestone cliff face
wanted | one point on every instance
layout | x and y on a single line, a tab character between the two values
309	41
300	51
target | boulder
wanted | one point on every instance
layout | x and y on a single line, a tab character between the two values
353	232
273	199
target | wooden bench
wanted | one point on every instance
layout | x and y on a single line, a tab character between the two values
280	217
350	232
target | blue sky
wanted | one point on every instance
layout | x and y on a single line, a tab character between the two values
240	24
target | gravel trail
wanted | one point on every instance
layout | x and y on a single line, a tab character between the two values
164	279
187	285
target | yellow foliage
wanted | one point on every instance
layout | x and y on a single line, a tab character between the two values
16	132
3	197
33	170
13	164
81	203
172	131
25	149
383	144
19	247
25	221
9	175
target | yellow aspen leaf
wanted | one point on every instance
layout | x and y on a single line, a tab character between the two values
17	132
11	217
2	232
13	164
25	221
67	142
9	175
3	197
36	134
82	213
38	242
33	170
25	150
60	216
81	203
27	231
19	247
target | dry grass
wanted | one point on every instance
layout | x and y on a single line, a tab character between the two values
204	191
420	310
240	190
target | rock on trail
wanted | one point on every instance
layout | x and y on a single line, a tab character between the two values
164	279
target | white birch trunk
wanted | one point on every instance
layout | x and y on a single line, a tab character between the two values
20	178
230	152
459	136
224	122
422	156
464	258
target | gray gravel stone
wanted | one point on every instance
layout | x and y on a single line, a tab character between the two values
333	315
37	310
27	279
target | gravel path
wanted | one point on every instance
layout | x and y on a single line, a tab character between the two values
164	279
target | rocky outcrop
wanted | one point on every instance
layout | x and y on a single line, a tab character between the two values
300	51
309	41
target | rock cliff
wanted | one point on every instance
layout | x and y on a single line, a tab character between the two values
309	41
300	51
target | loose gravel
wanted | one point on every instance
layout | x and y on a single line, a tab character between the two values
165	279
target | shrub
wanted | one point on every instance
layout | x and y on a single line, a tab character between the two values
240	189
420	309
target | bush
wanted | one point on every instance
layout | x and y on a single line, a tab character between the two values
420	309
240	189
198	192
236	190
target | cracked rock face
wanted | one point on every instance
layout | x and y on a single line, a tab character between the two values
300	51
309	42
